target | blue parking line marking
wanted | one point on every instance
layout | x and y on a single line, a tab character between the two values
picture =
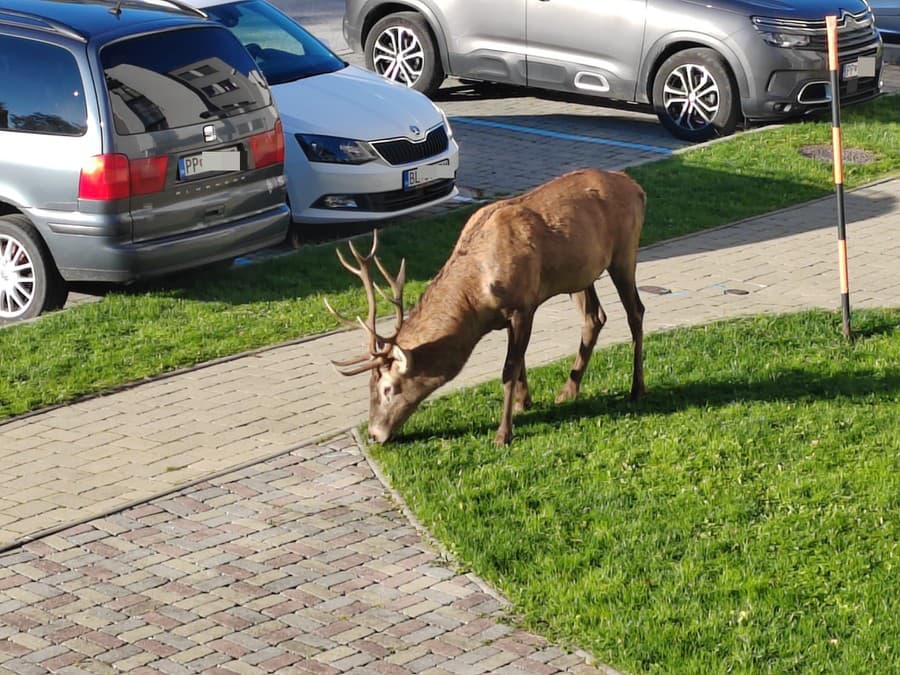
566	137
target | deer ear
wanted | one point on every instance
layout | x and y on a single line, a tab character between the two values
402	358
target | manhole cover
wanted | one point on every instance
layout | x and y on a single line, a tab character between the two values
825	153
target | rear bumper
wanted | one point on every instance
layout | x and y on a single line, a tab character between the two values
92	257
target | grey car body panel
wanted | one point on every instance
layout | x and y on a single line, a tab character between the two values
609	66
585	35
188	223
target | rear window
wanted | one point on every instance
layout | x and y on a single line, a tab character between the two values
40	89
180	78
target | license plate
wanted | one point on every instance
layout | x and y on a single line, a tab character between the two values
209	161
864	66
428	173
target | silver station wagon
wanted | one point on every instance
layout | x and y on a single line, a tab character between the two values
136	139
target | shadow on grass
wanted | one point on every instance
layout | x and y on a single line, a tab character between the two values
792	385
786	385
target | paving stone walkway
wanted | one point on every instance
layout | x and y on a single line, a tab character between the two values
297	564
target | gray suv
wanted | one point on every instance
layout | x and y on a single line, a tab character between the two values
135	141
702	64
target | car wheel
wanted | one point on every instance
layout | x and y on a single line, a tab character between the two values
694	95
29	281
400	48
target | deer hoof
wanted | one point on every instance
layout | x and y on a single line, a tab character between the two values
502	437
568	392
522	406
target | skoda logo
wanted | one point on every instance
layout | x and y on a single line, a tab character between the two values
415	131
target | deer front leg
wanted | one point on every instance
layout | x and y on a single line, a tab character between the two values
594	319
519	333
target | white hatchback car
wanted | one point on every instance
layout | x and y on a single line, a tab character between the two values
358	147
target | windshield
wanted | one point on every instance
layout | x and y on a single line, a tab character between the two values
282	48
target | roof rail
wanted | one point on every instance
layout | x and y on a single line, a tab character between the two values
38	22
177	4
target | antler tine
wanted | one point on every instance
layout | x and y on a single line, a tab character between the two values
396	283
340	317
364	274
372	365
352	362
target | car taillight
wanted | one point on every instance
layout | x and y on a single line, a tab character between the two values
112	176
148	174
268	147
105	177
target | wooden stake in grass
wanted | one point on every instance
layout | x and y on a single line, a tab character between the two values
837	146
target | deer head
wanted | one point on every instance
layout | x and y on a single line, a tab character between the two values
391	401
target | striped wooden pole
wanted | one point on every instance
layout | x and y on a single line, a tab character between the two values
838	149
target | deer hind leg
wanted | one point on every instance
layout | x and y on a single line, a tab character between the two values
623	279
594	319
514	382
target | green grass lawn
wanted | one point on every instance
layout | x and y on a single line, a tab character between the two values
142	332
744	517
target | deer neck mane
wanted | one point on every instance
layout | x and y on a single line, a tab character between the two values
442	329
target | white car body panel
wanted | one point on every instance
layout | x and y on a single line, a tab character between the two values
356	104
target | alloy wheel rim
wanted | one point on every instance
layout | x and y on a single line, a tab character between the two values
691	97
398	55
16	278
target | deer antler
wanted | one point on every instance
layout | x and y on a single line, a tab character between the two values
379	347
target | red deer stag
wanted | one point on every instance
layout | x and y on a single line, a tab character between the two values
511	256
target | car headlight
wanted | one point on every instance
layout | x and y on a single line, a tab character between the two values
335	150
787	40
446	122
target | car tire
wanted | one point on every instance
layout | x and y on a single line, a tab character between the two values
694	95
400	47
29	281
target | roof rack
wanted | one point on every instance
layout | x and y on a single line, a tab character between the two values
177	4
38	22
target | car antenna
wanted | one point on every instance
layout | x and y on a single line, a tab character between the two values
117	10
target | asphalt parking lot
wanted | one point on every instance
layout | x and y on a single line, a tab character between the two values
512	139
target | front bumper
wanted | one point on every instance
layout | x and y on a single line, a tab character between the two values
790	82
376	188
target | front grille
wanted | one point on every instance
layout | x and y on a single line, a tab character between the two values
404	151
397	200
854	30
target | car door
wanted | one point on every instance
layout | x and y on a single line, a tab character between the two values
486	40
586	46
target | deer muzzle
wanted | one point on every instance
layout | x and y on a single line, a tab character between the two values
378	433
